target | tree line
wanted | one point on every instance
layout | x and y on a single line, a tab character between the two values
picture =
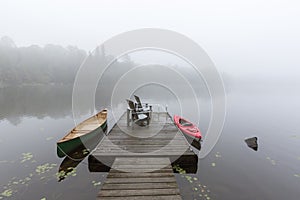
51	64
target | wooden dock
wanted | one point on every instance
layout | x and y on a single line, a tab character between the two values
139	159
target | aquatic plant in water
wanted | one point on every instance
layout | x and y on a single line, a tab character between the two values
71	171
15	184
26	157
41	169
96	183
199	189
7	193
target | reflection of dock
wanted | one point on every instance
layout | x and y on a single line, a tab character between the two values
139	159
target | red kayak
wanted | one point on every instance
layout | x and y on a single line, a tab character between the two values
191	131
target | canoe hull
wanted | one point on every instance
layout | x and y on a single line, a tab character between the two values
68	147
191	133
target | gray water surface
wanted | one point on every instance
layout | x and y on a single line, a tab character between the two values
34	118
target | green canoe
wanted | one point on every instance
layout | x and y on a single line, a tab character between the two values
82	134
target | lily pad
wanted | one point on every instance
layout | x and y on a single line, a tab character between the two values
96	183
41	169
218	155
7	193
26	157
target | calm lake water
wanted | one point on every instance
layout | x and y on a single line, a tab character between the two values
32	119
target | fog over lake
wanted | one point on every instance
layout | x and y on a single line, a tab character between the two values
35	115
254	46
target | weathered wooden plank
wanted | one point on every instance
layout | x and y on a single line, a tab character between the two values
151	133
142	180
139	141
144	192
123	186
168	147
147	154
162	197
154	170
141	175
141	161
145	135
162	149
136	166
168	136
152	127
143	145
143	152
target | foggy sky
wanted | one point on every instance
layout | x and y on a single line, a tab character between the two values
249	37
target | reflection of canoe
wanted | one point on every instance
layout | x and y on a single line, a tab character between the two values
73	159
190	131
82	133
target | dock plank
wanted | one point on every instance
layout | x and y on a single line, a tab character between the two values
137	184
143	192
162	197
122	186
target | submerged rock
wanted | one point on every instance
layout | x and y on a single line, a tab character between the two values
252	143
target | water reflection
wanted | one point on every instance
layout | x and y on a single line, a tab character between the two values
72	160
35	101
55	101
